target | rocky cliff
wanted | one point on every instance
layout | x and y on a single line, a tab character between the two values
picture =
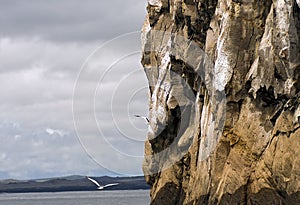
224	105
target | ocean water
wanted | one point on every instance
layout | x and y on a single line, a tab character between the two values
132	197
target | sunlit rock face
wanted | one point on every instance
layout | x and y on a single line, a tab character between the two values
224	105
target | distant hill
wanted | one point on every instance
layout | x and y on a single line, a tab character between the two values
71	183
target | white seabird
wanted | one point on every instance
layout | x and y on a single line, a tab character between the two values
145	118
99	186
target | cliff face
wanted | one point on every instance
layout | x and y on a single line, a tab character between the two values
224	101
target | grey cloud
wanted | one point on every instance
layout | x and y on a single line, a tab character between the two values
71	20
63	58
43	45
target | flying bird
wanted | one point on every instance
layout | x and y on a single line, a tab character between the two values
99	186
145	118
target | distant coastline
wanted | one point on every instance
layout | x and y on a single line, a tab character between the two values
71	183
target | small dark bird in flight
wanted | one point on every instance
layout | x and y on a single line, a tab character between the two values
145	118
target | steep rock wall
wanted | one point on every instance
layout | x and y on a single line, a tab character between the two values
224	101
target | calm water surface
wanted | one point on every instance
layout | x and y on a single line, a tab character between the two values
136	197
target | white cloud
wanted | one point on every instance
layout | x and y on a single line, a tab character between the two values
17	136
57	132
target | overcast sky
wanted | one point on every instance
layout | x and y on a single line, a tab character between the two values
52	49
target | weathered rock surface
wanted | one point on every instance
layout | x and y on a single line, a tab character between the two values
224	101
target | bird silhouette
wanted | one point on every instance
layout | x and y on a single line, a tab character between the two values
145	118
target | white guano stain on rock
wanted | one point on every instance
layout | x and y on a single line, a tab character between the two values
156	3
162	89
222	69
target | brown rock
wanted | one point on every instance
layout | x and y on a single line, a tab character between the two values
224	101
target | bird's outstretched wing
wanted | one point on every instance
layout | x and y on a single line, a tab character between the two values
145	118
107	185
94	181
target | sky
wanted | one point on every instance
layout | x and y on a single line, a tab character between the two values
70	85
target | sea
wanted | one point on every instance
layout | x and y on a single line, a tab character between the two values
130	197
